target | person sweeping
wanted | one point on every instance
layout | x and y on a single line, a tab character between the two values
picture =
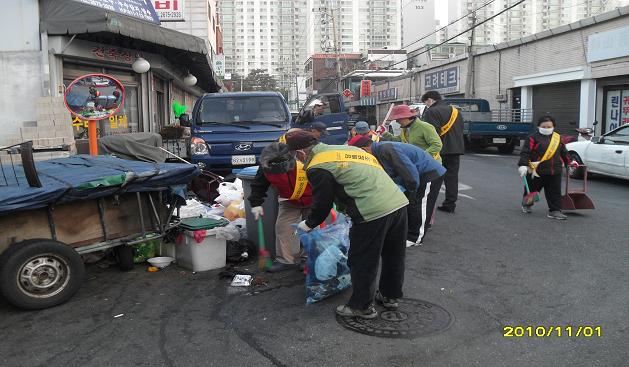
542	161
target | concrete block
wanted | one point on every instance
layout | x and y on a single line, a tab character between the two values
50	123
46	132
42	156
58	141
29	133
55	155
13	139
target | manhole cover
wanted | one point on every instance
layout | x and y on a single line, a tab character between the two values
412	319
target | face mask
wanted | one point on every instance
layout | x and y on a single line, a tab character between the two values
546	131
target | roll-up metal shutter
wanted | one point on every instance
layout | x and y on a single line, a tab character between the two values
561	101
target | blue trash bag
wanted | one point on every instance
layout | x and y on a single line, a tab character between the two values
328	272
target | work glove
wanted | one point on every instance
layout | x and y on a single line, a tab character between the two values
523	170
381	130
257	212
574	164
303	226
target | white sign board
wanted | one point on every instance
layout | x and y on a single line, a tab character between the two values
169	10
219	65
608	45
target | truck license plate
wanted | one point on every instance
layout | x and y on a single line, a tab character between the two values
500	140
243	159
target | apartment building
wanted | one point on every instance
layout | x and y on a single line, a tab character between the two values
524	19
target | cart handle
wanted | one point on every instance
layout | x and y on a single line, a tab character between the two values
585	180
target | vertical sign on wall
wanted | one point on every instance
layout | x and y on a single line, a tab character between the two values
613	110
624	119
365	88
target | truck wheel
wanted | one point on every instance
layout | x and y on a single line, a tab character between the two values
578	171
124	256
506	148
40	273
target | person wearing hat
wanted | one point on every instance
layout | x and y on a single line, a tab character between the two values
417	172
319	129
350	177
362	129
278	168
414	131
449	124
308	117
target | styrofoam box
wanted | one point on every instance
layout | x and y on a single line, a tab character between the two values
210	254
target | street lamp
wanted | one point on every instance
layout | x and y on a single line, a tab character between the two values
190	80
140	65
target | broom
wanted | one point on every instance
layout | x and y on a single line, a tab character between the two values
264	259
530	197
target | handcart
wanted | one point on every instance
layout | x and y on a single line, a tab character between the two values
53	212
577	199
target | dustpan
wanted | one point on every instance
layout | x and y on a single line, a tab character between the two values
577	199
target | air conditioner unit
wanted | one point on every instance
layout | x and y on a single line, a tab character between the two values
501	97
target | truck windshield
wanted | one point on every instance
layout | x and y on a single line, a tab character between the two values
242	110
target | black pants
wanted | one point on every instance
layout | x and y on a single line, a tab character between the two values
420	210
386	238
552	189
451	162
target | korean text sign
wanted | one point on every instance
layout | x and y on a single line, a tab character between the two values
444	81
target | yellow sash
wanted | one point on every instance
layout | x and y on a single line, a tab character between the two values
300	183
555	140
445	128
344	156
282	139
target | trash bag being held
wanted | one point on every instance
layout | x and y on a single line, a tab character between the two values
328	272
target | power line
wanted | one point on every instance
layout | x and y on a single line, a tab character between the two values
459	34
438	30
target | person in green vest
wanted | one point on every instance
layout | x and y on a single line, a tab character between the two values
354	179
414	131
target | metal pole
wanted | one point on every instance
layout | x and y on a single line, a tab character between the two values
336	50
93	138
469	90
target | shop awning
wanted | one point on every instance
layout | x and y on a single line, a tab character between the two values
71	17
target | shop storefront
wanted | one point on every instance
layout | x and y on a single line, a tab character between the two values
110	43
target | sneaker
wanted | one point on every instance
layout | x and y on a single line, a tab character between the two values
526	209
387	302
447	209
557	215
278	267
346	311
409	243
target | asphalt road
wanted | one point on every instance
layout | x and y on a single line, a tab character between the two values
488	264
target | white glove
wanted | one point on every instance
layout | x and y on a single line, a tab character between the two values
381	130
523	170
257	212
302	225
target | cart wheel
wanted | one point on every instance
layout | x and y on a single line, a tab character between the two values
575	172
40	273
124	256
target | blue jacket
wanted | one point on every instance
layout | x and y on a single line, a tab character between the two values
406	163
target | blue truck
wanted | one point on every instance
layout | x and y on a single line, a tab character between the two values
333	113
229	130
485	128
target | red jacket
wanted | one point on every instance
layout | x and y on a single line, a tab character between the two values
284	183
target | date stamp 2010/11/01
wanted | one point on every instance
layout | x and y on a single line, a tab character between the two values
550	331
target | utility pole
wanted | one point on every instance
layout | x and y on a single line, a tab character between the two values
336	49
469	85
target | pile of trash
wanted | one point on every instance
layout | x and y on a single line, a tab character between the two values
229	205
